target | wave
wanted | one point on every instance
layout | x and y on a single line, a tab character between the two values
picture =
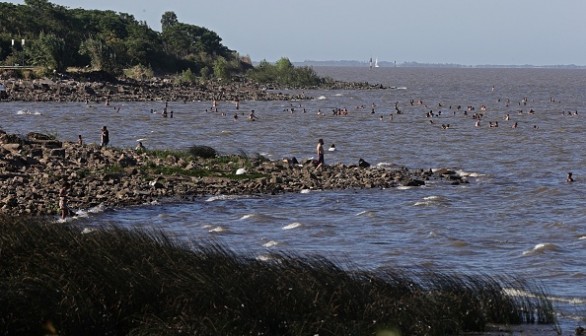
434	200
292	226
468	174
541	248
388	165
321	98
88	230
223	198
259	218
366	213
217	229
27	112
270	243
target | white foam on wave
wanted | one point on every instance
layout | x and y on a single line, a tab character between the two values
292	226
222	198
387	165
541	248
304	191
263	257
582	237
339	94
432	200
217	229
366	213
270	243
27	112
247	216
321	98
468	174
404	187
88	230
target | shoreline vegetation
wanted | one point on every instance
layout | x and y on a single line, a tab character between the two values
60	280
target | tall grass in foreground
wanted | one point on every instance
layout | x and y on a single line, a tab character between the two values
55	280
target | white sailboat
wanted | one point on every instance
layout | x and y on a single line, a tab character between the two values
376	63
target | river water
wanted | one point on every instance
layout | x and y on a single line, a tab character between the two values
517	216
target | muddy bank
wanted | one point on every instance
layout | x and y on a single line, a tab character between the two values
34	167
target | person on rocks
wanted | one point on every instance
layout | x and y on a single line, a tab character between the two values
105	136
320	153
63	198
140	147
79	140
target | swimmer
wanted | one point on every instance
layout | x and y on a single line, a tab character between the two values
570	178
332	148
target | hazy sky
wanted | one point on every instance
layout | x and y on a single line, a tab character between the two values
471	32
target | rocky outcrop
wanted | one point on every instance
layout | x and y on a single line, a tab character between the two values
34	167
103	90
71	90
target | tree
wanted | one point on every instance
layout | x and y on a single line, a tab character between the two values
221	68
48	51
100	54
168	20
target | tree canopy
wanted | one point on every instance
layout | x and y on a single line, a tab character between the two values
58	37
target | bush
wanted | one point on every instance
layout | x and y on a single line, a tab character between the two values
204	152
139	72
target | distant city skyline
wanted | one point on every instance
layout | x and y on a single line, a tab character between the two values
467	32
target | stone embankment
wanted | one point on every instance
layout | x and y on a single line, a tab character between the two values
34	167
72	90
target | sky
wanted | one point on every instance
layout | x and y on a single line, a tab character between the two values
468	32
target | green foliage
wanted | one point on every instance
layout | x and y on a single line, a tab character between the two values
187	76
58	37
204	152
48	51
284	73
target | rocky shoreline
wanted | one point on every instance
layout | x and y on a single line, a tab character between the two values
98	91
34	167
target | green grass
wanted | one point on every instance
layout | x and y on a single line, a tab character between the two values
53	279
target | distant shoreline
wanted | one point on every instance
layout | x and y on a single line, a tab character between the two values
387	64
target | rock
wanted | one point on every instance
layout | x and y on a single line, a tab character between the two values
57	152
363	164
